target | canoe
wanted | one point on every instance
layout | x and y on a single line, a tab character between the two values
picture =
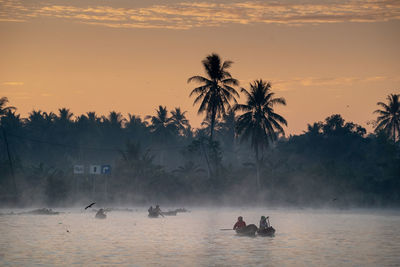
169	213
249	230
153	214
100	216
269	231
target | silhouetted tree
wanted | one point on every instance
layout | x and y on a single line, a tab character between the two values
216	91
259	122
389	117
3	108
179	120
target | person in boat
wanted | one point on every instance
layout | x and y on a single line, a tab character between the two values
239	224
100	214
150	210
157	210
263	223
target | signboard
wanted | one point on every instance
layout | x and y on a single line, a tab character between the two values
79	169
95	169
105	169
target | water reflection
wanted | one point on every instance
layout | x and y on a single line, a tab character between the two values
306	238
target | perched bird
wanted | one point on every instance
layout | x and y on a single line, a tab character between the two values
90	205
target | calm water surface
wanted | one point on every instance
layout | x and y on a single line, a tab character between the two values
303	238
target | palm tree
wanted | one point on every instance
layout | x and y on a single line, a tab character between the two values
389	117
216	91
259	122
163	128
161	124
65	115
3	108
114	120
178	118
3	112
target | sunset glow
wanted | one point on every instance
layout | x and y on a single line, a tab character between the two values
322	57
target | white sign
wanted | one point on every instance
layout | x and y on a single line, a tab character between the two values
95	169
79	169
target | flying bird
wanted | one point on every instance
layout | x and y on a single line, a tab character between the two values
90	205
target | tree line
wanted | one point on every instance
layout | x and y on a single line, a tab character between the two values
239	155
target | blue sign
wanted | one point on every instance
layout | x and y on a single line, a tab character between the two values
105	169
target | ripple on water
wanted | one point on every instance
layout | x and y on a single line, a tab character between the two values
306	238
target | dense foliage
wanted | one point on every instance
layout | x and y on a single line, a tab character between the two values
332	163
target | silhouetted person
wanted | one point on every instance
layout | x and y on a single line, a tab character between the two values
100	214
157	209
239	224
263	223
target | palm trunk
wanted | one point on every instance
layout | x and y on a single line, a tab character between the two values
258	169
207	161
11	166
212	125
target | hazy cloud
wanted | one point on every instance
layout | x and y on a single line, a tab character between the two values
284	85
186	15
13	83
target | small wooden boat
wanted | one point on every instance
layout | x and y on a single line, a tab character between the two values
100	216
153	214
249	230
169	213
269	231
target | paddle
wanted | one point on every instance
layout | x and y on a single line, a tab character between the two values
226	229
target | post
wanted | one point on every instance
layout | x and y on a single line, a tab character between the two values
94	186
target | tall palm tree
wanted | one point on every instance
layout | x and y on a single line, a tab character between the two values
4	110
389	117
178	118
259	122
216	91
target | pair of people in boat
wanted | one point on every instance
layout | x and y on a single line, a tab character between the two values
240	223
155	210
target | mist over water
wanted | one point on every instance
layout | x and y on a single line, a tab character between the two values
303	238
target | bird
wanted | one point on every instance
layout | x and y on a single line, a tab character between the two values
90	205
334	199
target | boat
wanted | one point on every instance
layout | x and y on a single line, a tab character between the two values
100	216
269	231
153	214
169	213
249	230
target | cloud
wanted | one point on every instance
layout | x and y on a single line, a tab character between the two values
187	15
285	85
13	83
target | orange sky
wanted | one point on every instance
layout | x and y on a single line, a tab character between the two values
131	56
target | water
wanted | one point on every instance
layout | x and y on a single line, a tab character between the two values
303	238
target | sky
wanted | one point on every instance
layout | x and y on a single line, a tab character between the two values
323	57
